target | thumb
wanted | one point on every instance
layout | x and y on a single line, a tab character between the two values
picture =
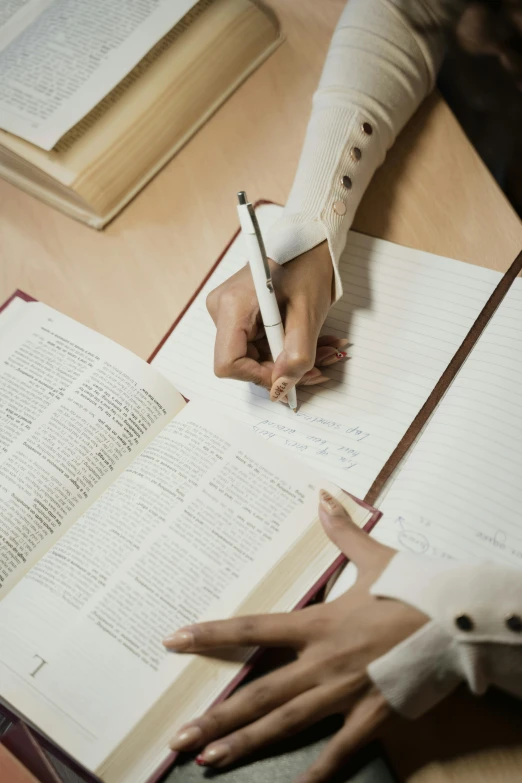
353	542
296	362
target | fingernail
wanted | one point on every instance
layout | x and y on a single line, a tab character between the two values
333	359
314	381
341	354
343	343
215	755
181	640
330	504
280	388
187	738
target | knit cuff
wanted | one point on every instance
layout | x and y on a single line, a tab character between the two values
468	637
418	673
342	149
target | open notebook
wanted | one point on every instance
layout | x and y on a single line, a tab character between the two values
404	311
458	495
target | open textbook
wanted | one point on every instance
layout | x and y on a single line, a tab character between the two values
95	97
124	514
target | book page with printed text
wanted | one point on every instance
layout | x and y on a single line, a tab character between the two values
75	409
200	521
59	58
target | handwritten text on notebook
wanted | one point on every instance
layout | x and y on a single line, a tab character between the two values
405	313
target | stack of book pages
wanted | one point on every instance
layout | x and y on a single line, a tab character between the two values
96	97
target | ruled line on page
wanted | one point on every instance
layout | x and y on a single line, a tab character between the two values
405	313
461	481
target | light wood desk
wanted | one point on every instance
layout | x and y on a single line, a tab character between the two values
130	281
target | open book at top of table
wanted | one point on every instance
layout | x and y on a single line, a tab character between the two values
125	513
96	97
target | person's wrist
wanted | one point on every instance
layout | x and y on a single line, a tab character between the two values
325	264
318	263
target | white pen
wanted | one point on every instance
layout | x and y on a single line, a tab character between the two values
265	293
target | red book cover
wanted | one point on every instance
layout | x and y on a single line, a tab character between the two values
12	770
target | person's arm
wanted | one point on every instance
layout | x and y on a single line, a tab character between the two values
381	64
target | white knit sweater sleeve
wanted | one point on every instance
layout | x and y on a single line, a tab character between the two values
474	634
382	62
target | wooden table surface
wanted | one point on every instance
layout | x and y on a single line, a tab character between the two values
130	281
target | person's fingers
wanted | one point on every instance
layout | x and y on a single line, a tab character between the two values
339	356
264	630
327	346
247	705
361	723
300	344
327	355
285	721
231	359
312	377
261	343
346	535
323	353
313	380
252	352
337	342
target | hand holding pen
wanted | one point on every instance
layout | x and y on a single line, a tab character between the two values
303	288
266	296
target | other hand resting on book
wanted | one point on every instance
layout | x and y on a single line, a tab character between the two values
408	632
304	292
334	643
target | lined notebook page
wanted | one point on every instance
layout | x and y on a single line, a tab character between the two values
459	493
405	313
